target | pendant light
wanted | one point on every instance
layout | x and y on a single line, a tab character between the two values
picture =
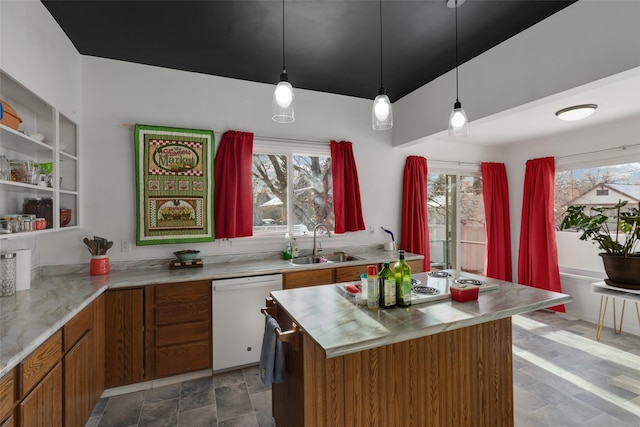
458	123
284	100
381	113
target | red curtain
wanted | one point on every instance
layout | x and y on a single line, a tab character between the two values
347	208
538	254
414	235
233	193
495	192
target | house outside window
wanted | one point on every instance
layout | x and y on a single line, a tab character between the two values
457	230
292	187
592	185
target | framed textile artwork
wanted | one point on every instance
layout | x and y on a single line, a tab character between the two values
174	185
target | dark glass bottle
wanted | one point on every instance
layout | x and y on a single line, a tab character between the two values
387	287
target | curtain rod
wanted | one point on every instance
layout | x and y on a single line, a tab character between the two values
454	162
267	138
604	150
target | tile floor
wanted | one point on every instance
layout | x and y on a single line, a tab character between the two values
563	377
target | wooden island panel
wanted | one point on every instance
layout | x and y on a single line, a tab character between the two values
456	378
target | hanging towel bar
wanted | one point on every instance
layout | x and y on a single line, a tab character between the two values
290	336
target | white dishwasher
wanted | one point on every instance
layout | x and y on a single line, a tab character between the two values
238	325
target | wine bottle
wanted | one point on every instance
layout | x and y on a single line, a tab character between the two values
372	287
387	287
402	272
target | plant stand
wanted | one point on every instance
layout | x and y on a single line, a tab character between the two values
605	291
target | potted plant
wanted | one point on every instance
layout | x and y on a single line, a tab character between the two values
621	263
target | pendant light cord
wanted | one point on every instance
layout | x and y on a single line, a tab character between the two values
456	8
381	72
283	52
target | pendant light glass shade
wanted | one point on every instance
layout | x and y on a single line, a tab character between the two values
284	101
382	114
458	123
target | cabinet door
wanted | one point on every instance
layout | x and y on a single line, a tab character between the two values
7	394
300	279
78	377
124	337
43	406
416	266
348	274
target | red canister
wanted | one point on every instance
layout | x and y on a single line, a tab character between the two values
41	223
99	265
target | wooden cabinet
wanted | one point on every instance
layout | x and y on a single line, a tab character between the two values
7	397
124	337
157	331
325	276
179	328
83	364
299	279
348	274
43	405
416	265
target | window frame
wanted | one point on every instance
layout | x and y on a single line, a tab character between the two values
473	170
288	148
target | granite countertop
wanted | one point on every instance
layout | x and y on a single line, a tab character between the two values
30	317
340	326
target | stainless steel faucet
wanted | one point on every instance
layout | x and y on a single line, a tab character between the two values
315	229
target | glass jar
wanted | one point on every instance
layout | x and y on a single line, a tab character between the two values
7	274
41	207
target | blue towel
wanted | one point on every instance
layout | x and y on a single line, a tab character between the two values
271	356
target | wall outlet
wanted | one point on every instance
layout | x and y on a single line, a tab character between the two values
125	246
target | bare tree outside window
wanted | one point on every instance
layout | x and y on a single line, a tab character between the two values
312	193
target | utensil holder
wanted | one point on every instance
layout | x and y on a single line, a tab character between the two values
99	265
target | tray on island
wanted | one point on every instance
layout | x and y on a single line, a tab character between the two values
186	264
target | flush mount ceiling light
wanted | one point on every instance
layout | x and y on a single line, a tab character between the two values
458	123
284	100
576	112
381	114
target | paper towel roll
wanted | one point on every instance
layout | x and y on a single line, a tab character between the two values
23	269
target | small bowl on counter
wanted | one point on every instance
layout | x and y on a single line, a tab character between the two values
186	255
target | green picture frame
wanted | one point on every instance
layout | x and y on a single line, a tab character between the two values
174	185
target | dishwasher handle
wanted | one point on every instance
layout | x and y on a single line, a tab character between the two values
219	286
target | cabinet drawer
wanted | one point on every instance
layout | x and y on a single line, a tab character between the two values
182	313
7	394
178	359
8	423
76	327
182	293
348	274
38	363
299	279
416	265
182	333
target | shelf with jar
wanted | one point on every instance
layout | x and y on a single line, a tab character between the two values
38	164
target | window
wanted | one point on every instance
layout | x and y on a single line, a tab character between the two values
596	187
292	187
457	231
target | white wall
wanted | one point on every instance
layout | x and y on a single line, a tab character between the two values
584	42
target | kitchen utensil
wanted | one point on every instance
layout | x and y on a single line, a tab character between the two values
91	245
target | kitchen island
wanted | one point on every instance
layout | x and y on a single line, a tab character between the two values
443	363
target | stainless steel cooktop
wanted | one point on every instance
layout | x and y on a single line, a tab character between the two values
434	285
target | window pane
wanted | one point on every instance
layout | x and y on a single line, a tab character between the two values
312	193
472	225
598	186
441	214
269	193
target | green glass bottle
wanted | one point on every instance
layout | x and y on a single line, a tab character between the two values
402	273
387	287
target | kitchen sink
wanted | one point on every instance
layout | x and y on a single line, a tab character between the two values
320	259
